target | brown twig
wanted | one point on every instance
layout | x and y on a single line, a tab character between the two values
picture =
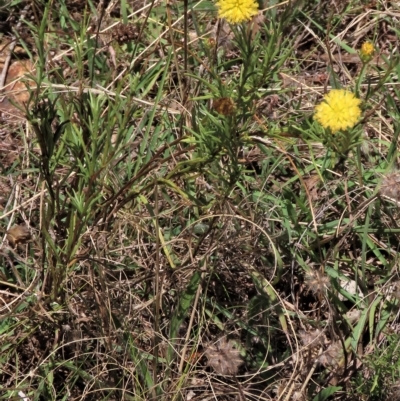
7	62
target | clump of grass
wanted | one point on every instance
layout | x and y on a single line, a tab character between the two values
164	174
379	377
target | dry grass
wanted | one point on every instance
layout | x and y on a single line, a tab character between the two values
176	226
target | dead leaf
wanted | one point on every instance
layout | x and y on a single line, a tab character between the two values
18	235
311	184
15	88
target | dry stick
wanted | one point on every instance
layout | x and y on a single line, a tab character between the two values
7	62
189	329
30	200
12	47
240	389
157	294
310	373
27	291
17	193
178	72
185	40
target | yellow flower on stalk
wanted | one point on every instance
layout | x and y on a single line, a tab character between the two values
367	49
367	52
237	11
339	110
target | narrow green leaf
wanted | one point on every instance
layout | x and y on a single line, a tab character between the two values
359	330
180	314
326	393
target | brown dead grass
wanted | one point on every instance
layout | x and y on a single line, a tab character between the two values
112	281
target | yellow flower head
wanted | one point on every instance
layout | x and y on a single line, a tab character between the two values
339	110
367	49
237	11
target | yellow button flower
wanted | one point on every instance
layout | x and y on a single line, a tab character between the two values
367	49
237	11
367	52
339	110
